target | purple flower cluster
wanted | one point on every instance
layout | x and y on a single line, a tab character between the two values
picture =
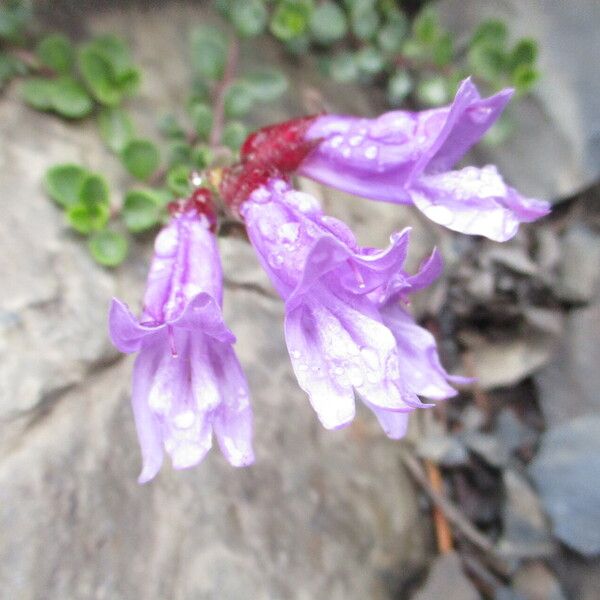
347	330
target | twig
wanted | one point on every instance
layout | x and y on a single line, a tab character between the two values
219	105
450	510
442	528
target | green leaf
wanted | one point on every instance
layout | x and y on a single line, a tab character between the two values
37	92
364	19
524	78
98	76
425	26
343	67
291	19
14	17
141	158
266	84
63	183
69	98
524	53
116	127
391	36
202	156
328	23
249	17
443	50
238	99
234	134
398	87
94	190
492	32
86	217
57	52
202	117
141	210
178	181
487	61
208	52
108	248
170	127
106	67
180	153
432	91
115	51
369	61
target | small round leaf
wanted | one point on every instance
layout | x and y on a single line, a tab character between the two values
37	92
267	84
69	99
238	99
94	190
57	52
249	17
234	134
328	23
178	181
116	127
108	248
86	217
399	86
141	158
64	182
202	117
141	210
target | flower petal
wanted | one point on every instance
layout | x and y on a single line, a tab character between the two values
234	430
475	201
203	313
315	369
393	423
146	423
124	330
379	158
419	363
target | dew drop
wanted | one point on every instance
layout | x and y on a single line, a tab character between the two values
184	420
336	141
356	140
371	152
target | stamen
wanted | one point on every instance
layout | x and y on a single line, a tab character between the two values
171	335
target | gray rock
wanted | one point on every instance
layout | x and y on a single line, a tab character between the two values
526	531
535	581
579	273
566	472
321	514
568	386
447	580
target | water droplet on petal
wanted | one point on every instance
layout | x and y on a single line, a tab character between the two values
356	140
371	152
184	420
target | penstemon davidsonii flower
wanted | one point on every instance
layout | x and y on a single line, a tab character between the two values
187	381
405	158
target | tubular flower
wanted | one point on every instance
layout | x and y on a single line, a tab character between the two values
404	157
187	381
337	337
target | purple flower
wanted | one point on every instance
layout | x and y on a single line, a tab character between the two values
404	157
187	381
338	339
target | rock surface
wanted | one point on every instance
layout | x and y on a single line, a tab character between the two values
320	515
